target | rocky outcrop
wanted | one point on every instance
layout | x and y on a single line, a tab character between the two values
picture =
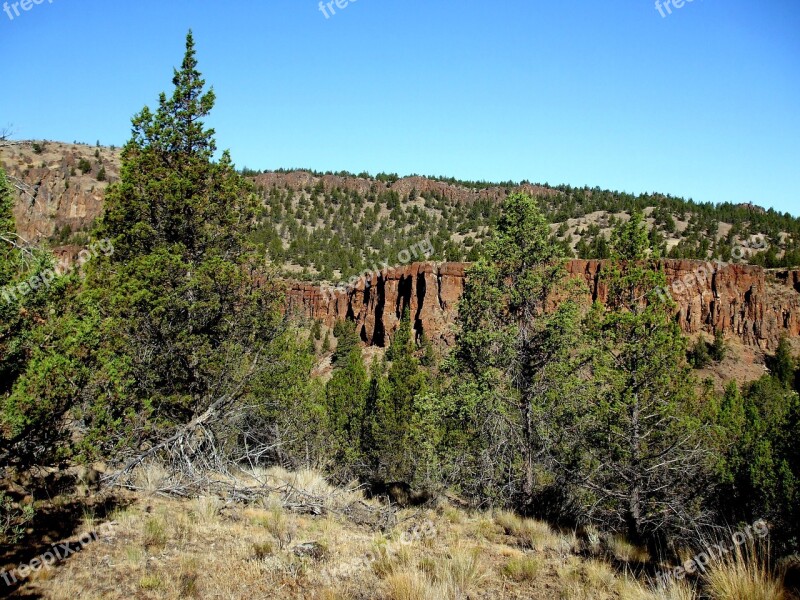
742	301
52	190
297	180
430	292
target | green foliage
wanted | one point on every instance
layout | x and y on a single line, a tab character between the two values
84	165
394	408
346	404
719	349
346	340
637	452
25	324
630	240
179	316
783	365
326	343
699	356
13	520
291	409
760	468
335	232
513	358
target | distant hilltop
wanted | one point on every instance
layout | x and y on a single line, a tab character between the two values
331	226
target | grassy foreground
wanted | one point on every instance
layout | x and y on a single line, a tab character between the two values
159	547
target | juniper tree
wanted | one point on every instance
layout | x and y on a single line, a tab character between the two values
516	337
346	394
642	461
178	321
393	408
759	470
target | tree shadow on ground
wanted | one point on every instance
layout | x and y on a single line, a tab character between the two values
56	529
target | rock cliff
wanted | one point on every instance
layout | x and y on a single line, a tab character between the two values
745	302
53	191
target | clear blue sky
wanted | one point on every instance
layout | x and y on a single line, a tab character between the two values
703	103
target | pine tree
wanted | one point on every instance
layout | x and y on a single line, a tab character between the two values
718	348
346	394
514	351
346	340
642	462
759	470
392	456
188	316
326	343
783	365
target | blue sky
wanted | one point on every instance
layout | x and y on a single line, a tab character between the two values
701	103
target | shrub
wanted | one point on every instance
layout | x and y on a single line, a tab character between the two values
13	520
699	357
522	568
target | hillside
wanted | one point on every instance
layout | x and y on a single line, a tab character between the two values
347	548
330	227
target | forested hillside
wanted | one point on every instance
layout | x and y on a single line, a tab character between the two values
342	224
331	226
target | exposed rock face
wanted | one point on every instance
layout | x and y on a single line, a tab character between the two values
52	191
429	291
297	180
742	301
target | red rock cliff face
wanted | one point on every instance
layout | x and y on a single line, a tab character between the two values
742	301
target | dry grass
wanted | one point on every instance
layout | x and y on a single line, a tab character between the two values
743	575
522	568
530	533
205	548
622	550
150	477
461	571
413	585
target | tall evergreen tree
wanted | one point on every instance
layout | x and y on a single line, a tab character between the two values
346	394
179	320
392	457
642	462
514	335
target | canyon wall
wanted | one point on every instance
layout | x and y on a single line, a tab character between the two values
52	190
742	301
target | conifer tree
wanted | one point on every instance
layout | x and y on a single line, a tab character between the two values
393	456
346	395
516	352
187	316
642	460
